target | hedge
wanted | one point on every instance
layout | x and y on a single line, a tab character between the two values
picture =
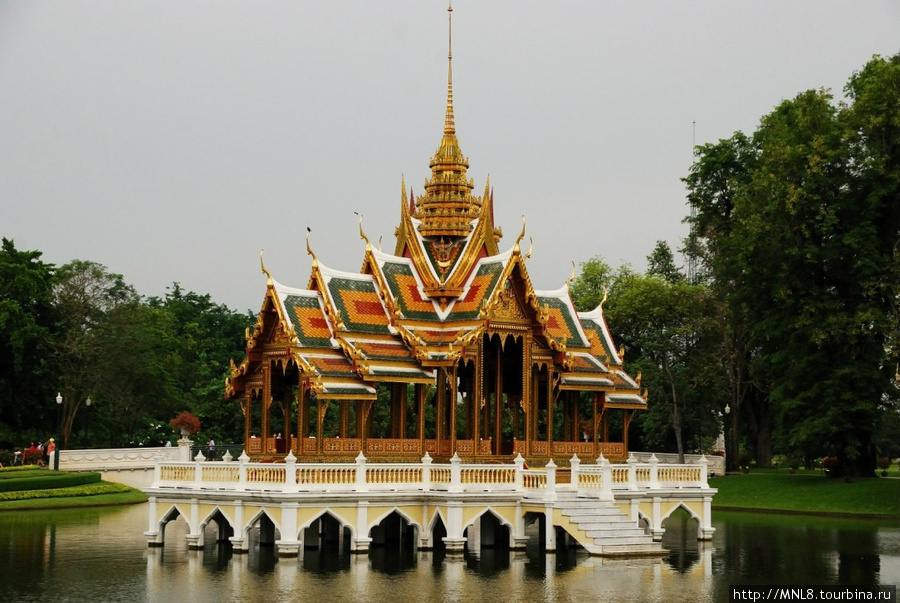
85	490
20	471
47	480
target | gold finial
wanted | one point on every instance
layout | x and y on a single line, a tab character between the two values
269	282
521	234
309	250
530	248
571	276
605	295
404	203
362	235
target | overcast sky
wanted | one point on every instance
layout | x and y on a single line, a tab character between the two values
172	141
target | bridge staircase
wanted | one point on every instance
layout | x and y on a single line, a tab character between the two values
602	529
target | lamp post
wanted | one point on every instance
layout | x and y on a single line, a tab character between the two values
728	459
59	401
87	423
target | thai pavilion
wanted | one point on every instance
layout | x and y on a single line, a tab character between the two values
443	347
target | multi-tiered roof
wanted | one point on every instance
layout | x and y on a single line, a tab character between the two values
407	314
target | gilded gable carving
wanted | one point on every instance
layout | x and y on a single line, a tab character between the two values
507	305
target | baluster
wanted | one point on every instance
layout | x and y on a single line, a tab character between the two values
575	463
605	479
360	472
632	472
290	472
550	490
455	474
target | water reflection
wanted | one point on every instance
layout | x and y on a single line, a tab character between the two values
680	539
99	554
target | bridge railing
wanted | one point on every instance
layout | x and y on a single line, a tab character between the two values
602	480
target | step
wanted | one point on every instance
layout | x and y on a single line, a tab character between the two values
617	527
603	539
593	515
654	549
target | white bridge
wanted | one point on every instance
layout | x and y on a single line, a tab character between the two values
608	509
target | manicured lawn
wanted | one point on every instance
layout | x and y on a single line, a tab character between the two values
808	492
40	489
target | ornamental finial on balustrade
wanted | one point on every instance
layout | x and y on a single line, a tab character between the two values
199	458
244	458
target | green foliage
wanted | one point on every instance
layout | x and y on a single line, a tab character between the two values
20	471
207	336
661	263
665	326
589	289
84	332
798	228
93	489
27	320
47	479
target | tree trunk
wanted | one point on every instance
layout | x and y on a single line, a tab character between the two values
676	425
764	441
676	413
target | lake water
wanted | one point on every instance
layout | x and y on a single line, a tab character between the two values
101	555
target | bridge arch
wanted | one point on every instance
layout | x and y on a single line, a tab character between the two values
693	515
489	529
403	515
432	537
224	525
172	513
326	528
269	529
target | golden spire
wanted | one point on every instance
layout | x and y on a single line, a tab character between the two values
448	207
449	125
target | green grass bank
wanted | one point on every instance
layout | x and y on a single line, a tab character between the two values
807	493
30	488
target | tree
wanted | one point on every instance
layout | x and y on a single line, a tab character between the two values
661	263
206	337
667	334
137	366
590	287
27	319
799	226
83	295
664	326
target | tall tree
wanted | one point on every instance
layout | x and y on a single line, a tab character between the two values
83	294
800	224
27	320
207	336
661	263
663	323
666	330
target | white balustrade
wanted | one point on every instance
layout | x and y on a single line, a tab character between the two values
600	480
